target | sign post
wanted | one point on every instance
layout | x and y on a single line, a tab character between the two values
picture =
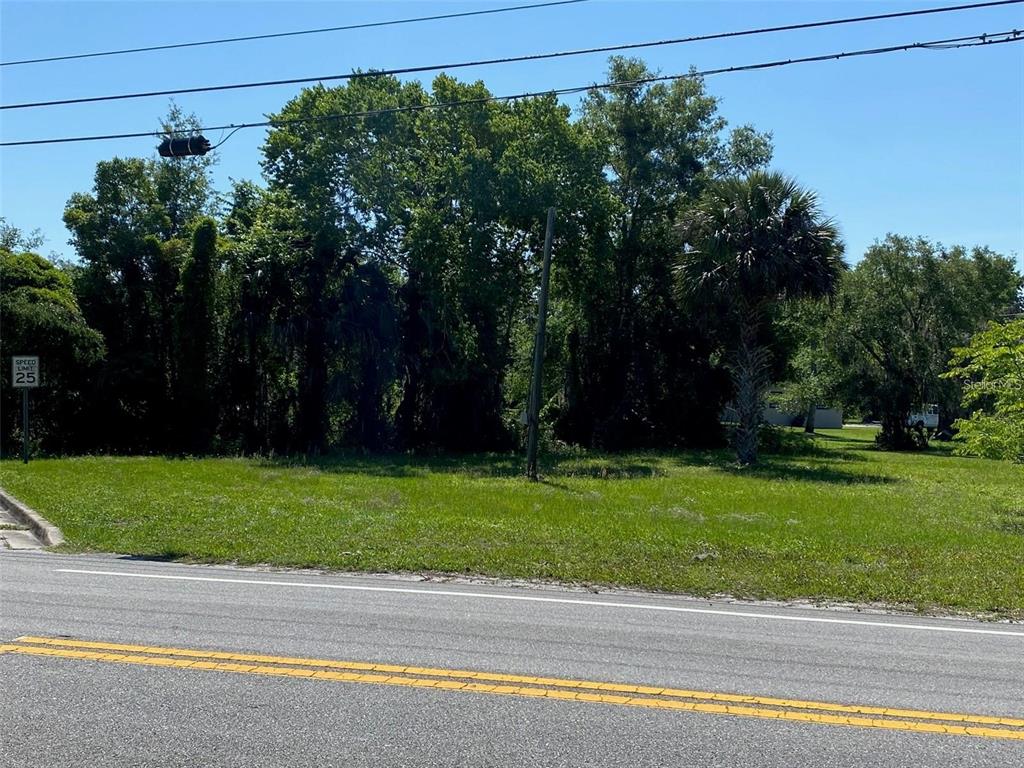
24	376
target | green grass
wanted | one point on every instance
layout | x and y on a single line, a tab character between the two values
830	518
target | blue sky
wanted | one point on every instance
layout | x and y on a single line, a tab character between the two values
921	142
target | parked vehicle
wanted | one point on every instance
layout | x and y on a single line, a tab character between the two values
926	418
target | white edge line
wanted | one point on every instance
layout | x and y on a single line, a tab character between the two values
558	600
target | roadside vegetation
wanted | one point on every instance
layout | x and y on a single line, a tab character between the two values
377	290
829	517
366	314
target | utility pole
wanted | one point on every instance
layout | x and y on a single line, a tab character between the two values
533	408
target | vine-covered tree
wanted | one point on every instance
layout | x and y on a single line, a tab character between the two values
131	234
197	341
445	205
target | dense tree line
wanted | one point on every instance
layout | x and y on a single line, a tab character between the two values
378	290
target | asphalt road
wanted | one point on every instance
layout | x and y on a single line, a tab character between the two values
63	704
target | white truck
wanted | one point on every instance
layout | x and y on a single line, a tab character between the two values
927	418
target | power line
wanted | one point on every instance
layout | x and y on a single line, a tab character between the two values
970	41
506	60
220	41
393	22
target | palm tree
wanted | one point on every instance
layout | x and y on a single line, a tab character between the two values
751	243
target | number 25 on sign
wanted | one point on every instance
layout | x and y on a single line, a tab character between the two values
25	371
24	376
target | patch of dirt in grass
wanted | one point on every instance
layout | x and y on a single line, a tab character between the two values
390	500
740	517
683	514
705	553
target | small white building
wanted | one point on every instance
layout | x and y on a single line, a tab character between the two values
825	417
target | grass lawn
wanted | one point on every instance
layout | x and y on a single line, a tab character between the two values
830	518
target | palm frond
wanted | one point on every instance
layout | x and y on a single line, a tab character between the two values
760	238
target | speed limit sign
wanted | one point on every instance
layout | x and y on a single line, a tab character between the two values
25	371
24	376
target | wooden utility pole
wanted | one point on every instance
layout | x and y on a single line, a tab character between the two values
533	408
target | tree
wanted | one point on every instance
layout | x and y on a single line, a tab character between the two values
183	185
900	313
130	233
280	303
14	240
381	290
991	368
260	313
750	244
39	316
637	366
110	229
444	209
812	375
197	341
348	184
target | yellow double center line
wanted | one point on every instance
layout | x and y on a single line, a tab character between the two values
650	697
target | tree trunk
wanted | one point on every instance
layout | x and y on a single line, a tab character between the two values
748	369
812	411
896	434
311	419
945	430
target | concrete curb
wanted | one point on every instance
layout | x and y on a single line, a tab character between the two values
43	529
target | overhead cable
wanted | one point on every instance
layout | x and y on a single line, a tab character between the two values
296	33
970	41
488	62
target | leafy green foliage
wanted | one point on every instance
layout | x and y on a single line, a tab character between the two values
131	234
752	243
763	238
258	302
443	205
197	340
901	311
812	377
14	240
379	291
636	359
40	316
992	369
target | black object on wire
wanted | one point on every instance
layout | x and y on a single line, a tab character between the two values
969	41
192	145
183	146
